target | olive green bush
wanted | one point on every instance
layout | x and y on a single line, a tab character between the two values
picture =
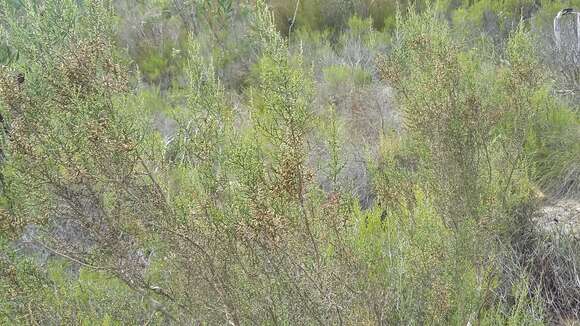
356	176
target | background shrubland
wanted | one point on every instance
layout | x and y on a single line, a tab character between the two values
288	162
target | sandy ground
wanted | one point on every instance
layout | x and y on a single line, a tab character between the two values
560	216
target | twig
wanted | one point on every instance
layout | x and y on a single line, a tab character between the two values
566	91
66	256
293	18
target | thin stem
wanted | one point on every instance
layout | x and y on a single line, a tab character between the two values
293	18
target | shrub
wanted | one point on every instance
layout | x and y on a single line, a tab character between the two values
289	195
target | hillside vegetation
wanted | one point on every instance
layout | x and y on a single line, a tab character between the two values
287	162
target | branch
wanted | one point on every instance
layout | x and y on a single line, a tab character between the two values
566	91
54	251
293	18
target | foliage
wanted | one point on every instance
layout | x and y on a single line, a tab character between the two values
198	162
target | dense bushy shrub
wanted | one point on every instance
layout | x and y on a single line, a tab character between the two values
352	176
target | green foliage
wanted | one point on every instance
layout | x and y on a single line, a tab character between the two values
55	295
440	96
193	196
155	64
332	130
555	150
473	123
335	14
75	82
472	118
525	311
337	75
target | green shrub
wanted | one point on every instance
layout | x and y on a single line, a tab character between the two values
555	150
289	194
